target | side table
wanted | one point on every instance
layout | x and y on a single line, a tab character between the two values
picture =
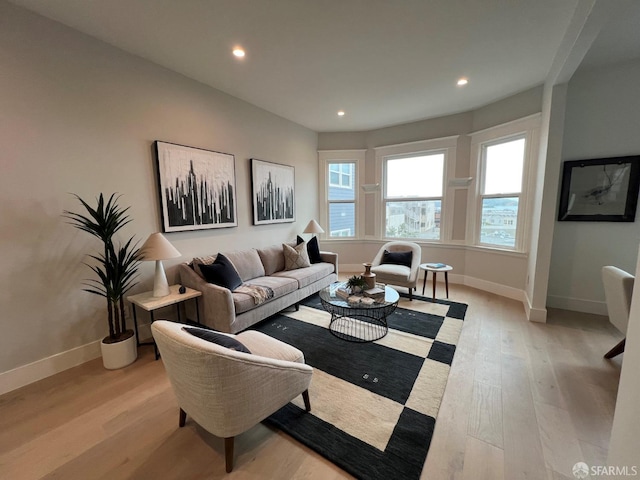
148	302
435	268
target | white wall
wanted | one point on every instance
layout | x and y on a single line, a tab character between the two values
77	115
601	121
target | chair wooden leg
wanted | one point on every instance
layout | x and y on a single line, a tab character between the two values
307	402
183	418
410	293
228	453
617	350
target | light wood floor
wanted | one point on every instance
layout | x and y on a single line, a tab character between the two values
523	401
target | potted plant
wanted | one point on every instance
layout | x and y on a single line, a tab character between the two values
356	284
116	269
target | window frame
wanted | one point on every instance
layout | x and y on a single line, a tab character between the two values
527	128
330	157
444	145
386	200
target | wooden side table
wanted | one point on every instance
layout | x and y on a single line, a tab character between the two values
148	302
435	268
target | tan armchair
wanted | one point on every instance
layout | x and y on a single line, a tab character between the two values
225	391
400	275
618	288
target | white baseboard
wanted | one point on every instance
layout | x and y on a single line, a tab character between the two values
538	315
491	287
32	372
577	305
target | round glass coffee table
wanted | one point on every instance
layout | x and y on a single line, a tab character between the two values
358	322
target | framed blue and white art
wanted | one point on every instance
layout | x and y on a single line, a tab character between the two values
273	192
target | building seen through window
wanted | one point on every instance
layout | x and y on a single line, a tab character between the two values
342	199
413	196
502	184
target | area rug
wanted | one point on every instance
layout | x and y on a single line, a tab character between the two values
373	405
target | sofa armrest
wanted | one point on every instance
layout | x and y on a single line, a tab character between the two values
216	304
330	257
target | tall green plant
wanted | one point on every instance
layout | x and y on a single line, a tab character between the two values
116	267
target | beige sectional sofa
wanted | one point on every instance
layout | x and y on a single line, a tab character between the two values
231	312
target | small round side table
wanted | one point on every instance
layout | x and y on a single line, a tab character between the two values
435	268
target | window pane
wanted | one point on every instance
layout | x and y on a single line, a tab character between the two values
341	184
413	220
342	219
503	167
414	176
499	221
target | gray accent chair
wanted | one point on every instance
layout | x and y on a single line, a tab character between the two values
225	391
618	288
399	275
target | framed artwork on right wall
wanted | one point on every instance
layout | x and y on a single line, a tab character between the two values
273	191
600	190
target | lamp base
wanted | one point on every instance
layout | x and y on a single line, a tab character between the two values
160	284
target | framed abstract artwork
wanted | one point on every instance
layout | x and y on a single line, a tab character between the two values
197	188
600	190
273	191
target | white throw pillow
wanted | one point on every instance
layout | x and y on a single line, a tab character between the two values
295	257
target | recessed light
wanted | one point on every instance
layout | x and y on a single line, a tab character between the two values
462	82
341	113
238	52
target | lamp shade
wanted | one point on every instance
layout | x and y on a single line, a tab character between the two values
313	227
158	248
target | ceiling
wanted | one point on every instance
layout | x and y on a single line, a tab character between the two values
383	62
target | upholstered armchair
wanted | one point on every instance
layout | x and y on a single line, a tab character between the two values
400	274
227	391
618	288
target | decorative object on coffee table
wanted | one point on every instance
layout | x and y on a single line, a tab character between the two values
158	248
369	277
356	284
116	268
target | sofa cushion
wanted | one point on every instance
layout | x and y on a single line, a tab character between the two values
397	258
391	269
247	263
207	260
309	275
221	272
280	285
313	249
296	257
217	338
272	258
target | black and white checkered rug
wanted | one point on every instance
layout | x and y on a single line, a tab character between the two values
373	405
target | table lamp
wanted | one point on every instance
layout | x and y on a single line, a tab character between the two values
158	248
313	227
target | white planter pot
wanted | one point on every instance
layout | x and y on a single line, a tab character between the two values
120	354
